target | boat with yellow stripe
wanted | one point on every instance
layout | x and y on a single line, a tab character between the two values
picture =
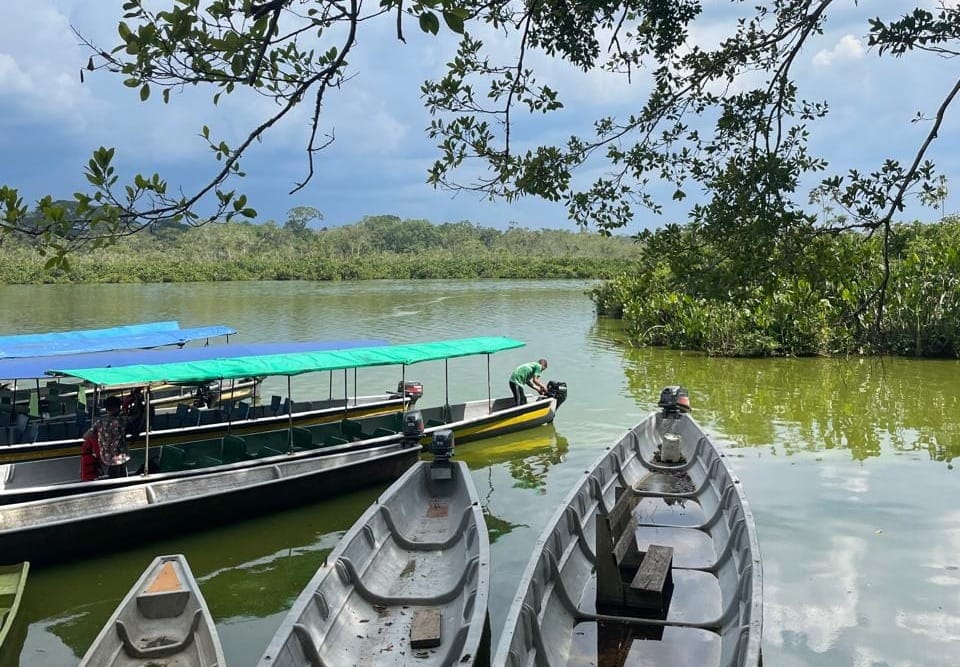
243	448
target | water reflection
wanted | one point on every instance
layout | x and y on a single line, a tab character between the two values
864	406
528	455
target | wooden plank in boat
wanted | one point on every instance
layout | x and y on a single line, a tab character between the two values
651	587
425	629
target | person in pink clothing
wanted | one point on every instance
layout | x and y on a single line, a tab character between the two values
112	438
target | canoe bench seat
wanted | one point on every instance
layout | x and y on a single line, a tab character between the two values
628	580
651	586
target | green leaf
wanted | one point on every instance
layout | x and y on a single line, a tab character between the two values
429	23
454	22
145	92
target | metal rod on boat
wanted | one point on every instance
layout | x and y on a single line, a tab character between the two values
446	390
330	395
146	447
489	399
39	411
403	386
229	412
289	415
13	404
346	393
354	387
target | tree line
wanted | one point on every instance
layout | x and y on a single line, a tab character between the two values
376	247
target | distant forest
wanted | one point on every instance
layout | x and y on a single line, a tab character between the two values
376	247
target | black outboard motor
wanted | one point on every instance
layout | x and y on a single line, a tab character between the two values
443	445
674	401
412	427
442	449
557	389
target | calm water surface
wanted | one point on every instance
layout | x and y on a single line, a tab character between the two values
847	464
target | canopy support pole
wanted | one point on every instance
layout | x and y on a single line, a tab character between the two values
13	404
354	387
330	394
489	395
446	390
230	411
403	386
346	394
146	447
289	415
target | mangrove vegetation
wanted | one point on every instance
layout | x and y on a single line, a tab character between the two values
807	294
375	247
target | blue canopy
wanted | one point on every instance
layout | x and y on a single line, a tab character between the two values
129	337
36	367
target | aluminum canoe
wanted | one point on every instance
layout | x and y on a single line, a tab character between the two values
712	613
163	620
407	585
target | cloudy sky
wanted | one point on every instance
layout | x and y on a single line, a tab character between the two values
50	121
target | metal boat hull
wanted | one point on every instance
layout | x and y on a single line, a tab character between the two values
163	620
34	480
59	529
713	614
408	583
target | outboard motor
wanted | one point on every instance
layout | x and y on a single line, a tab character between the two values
557	389
674	401
412	427
442	449
412	389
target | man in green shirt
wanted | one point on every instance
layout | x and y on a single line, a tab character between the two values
527	375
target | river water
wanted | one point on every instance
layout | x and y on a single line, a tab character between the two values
847	464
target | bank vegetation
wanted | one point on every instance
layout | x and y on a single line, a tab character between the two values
377	247
812	294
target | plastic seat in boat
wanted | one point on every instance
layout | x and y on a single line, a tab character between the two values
235	449
240	411
172	459
353	430
302	439
275	404
331	440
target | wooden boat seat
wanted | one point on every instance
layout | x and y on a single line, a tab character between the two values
630	575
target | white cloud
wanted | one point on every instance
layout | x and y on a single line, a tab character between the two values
848	48
40	64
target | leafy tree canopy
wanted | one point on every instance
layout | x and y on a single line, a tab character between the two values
727	120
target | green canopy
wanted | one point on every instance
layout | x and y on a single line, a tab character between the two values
226	368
